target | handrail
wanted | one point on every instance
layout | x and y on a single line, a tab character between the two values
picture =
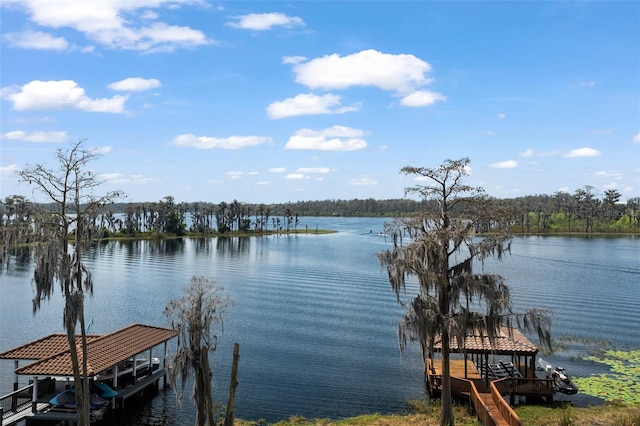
504	408
9	402
482	411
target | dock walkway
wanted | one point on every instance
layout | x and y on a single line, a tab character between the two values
488	400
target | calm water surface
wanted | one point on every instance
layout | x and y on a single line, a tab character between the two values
315	317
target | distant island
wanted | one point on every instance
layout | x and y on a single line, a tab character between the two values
561	213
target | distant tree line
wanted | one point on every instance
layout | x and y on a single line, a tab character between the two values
581	212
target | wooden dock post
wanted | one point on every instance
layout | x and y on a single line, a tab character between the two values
231	404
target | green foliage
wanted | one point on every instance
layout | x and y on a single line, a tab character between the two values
174	225
621	384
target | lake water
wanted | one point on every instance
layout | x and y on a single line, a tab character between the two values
315	317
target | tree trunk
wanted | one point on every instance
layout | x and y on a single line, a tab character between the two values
447	406
231	404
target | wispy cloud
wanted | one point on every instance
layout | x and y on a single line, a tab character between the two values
265	21
36	136
10	170
363	181
584	84
336	138
509	164
35	40
583	152
308	104
529	152
135	84
210	142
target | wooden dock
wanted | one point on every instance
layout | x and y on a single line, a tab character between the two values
488	400
52	360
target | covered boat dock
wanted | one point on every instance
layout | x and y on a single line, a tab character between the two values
50	367
485	370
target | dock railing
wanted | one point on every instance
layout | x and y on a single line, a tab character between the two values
505	409
525	386
15	401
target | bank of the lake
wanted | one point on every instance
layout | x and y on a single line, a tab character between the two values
316	319
531	415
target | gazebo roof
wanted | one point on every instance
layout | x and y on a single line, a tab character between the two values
103	352
43	347
507	342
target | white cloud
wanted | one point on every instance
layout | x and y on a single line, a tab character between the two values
336	138
533	153
265	21
509	164
36	40
308	170
421	98
135	84
115	23
277	170
102	149
307	103
402	74
293	59
9	170
611	174
583	152
365	181
51	136
59	95
234	175
134	179
636	138
502	116
208	142
295	176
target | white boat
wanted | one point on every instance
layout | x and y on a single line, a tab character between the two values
125	371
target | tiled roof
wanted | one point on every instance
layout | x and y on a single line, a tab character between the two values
503	344
102	353
43	348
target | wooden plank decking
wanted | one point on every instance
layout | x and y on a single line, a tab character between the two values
463	374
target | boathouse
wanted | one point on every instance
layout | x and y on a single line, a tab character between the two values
50	369
485	370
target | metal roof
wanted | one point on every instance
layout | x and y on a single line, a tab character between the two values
103	352
505	343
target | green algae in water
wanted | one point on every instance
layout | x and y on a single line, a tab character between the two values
622	384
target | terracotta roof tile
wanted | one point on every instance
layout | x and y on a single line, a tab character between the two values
503	344
43	348
103	352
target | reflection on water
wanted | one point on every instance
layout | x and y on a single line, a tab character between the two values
314	314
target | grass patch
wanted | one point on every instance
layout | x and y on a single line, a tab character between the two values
421	413
564	415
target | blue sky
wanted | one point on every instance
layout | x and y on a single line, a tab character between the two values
311	100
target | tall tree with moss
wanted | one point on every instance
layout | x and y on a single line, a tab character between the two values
440	249
197	317
61	230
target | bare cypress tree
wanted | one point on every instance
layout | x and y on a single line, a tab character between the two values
66	219
440	253
195	317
